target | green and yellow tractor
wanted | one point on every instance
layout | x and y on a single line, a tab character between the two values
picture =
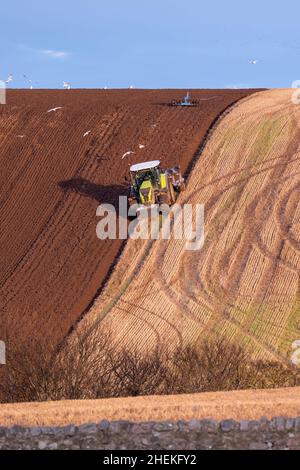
150	184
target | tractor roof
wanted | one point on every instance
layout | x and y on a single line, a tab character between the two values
145	166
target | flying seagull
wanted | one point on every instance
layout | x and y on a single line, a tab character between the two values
66	85
141	146
9	79
127	153
29	81
253	62
86	133
54	109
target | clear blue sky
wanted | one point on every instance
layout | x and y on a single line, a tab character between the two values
150	43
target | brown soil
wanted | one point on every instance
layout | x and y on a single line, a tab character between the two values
52	179
239	405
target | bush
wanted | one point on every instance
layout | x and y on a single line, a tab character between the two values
90	367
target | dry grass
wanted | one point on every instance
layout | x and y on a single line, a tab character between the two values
250	404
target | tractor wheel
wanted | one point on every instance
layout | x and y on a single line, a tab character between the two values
172	197
132	201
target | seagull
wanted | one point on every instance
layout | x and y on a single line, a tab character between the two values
29	81
20	136
9	79
86	133
127	153
66	85
54	109
253	62
141	146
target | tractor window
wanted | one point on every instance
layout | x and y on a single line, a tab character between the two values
139	177
145	175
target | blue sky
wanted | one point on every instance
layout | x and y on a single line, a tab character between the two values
150	43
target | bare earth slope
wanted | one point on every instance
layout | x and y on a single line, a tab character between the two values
249	404
244	283
53	178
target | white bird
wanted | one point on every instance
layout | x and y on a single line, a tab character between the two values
141	146
86	133
127	153
20	136
253	62
66	85
29	81
54	109
9	79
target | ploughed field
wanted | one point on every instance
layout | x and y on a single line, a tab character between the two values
57	167
244	283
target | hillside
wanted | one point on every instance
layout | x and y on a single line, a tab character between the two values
244	283
56	167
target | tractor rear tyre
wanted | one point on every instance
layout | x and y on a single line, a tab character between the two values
132	201
172	197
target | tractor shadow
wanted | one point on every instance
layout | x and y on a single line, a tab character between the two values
103	194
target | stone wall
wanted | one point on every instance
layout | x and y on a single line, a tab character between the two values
278	433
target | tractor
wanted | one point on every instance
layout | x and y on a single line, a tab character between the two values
150	184
185	102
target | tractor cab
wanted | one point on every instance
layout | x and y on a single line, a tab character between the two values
145	180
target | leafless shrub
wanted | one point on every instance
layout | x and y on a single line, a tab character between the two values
217	365
137	374
213	365
38	372
273	375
